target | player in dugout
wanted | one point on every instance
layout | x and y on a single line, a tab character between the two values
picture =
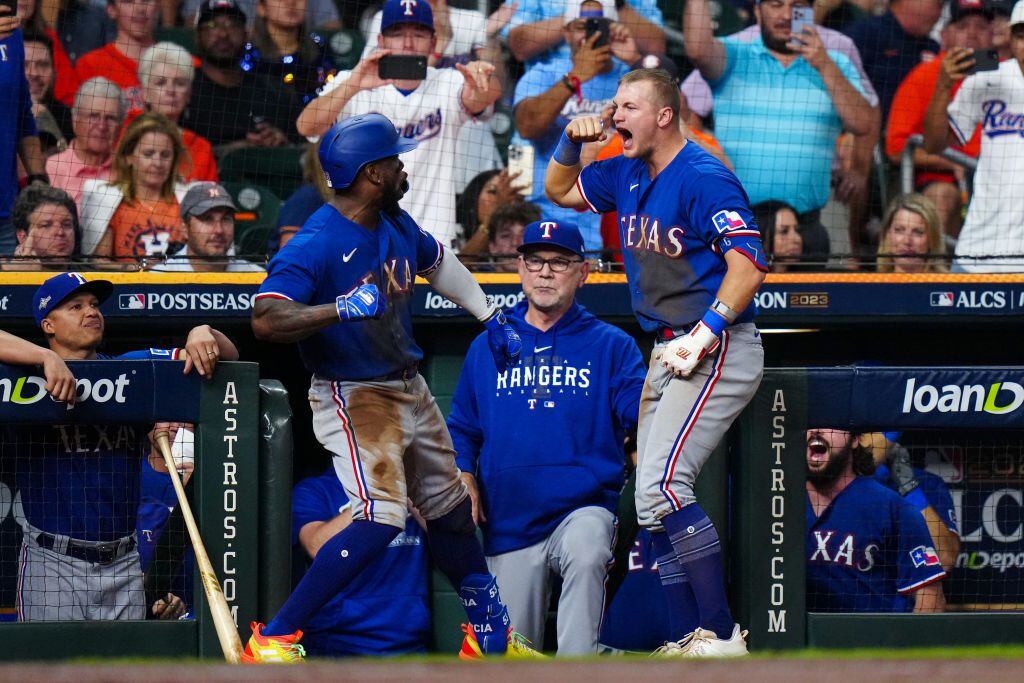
868	549
79	559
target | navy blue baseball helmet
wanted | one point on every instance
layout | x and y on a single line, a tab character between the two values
355	142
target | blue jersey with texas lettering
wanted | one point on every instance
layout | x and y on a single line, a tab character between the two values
157	500
332	256
384	610
82	480
637	620
935	492
868	552
675	230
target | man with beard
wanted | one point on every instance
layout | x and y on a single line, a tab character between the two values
342	288
868	549
229	106
780	103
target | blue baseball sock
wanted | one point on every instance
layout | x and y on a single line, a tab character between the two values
700	554
683	615
337	562
457	553
487	613
454	545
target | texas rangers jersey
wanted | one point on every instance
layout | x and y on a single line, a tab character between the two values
637	620
82	480
995	217
868	552
384	610
331	256
432	114
935	492
675	230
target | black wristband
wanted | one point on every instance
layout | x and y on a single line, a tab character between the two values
41	177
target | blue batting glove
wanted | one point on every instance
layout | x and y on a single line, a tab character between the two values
504	342
364	302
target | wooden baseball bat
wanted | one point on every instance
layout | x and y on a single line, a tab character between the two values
227	632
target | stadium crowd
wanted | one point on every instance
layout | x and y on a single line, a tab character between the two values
845	124
129	131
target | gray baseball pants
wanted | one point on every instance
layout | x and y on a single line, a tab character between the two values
56	587
579	550
682	420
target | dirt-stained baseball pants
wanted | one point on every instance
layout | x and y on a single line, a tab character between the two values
390	444
682	420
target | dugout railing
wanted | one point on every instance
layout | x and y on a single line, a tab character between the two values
241	494
767	468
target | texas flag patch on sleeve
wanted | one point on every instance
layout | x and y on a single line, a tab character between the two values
731	222
924	556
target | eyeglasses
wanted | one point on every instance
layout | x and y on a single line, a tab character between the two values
535	264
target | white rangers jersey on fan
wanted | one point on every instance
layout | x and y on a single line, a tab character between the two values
432	114
995	218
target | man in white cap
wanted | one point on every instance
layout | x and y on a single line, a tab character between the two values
209	217
992	239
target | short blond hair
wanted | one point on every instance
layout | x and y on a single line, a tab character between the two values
664	86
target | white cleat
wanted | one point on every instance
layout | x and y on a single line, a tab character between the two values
706	644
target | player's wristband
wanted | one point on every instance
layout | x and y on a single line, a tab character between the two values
567	153
917	499
719	317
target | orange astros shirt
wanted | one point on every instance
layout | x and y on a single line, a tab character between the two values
146	228
116	66
906	117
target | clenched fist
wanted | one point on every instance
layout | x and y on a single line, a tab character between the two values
586	129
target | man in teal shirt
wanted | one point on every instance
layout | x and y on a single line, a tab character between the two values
780	103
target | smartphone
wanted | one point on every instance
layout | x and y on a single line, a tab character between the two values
599	25
520	158
802	16
402	67
985	60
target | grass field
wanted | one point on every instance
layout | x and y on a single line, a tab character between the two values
926	665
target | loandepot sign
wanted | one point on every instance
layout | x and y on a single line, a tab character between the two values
29	390
998	398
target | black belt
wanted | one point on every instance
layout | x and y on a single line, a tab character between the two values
670	333
97	554
405	374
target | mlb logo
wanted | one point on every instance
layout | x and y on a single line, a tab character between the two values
727	220
549	404
942	299
924	556
131	302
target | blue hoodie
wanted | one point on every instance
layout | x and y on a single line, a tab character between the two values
546	437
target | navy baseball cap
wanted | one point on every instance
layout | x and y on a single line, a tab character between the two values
406	12
958	9
548	234
59	288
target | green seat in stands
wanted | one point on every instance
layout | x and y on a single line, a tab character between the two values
345	47
279	169
257	212
179	35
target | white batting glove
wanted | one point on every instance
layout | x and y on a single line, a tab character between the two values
683	354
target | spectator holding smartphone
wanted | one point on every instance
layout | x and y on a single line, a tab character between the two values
430	106
992	239
551	94
970	26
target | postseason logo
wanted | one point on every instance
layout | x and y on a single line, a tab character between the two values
185	301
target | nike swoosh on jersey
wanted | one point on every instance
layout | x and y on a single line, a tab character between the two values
634	186
348	257
538	349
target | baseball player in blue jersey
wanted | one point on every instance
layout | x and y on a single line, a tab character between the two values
927	492
544	440
383	611
868	549
694	261
342	289
79	559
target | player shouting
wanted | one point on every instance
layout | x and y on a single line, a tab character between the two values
694	261
342	289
